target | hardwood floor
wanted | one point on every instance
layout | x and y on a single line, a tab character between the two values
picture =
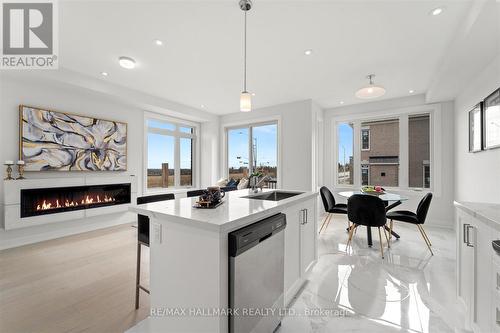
81	283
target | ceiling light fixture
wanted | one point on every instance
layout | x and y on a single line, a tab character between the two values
341	102
371	90
436	11
126	62
308	52
411	91
104	73
245	97
158	42
202	106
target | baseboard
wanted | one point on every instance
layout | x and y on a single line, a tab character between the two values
19	237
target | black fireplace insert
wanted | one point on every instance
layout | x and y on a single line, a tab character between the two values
41	201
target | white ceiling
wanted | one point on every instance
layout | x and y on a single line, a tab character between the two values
200	62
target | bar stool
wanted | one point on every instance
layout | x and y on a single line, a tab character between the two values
143	238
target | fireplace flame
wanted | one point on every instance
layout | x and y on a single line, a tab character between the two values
88	200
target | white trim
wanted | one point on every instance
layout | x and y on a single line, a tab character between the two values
177	134
248	123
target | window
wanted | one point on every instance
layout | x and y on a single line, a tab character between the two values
419	151
427	175
380	152
238	156
365	175
365	138
252	148
170	151
345	135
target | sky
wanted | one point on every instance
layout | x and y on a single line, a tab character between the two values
346	138
161	147
267	145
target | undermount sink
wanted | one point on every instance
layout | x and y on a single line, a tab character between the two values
273	196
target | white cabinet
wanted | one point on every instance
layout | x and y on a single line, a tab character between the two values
476	286
300	245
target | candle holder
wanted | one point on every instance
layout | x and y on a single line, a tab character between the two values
9	171
20	170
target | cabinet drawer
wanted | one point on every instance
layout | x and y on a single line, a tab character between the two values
496	314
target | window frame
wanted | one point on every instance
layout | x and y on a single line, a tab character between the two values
366	128
365	167
250	124
177	134
402	114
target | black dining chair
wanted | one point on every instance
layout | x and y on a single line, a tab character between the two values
195	193
417	218
330	207
143	238
369	211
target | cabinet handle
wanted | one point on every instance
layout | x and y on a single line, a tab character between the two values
307	215
465	234
304	216
468	236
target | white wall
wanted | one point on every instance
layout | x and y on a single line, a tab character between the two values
59	96
296	123
477	175
441	211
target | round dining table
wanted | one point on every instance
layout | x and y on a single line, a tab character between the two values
391	200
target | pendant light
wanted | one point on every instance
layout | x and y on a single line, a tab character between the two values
245	97
371	90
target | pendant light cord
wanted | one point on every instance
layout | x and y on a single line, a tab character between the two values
245	56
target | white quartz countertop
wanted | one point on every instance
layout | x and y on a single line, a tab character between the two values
487	212
234	213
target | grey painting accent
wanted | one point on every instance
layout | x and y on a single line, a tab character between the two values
59	141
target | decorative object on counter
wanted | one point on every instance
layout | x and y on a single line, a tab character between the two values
59	141
9	165
211	198
243	183
476	128
491	120
20	169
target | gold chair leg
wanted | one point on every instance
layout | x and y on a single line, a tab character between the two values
324	221
390	229
381	245
351	235
386	238
329	220
425	234
425	240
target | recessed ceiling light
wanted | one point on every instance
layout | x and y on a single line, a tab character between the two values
253	94
411	91
126	62
202	106
158	42
341	102
104	73
436	11
308	52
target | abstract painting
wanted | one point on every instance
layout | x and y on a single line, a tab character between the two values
59	141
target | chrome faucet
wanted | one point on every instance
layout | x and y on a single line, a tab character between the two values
258	183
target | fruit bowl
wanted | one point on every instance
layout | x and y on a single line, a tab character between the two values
372	190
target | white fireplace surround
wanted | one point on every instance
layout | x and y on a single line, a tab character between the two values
12	202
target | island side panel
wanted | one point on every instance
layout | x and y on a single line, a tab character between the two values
189	272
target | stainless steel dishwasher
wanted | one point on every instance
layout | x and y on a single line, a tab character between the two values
256	276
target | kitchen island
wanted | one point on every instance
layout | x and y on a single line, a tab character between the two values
189	275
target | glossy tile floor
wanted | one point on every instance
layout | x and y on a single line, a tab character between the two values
358	291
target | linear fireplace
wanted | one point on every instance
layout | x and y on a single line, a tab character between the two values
42	201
